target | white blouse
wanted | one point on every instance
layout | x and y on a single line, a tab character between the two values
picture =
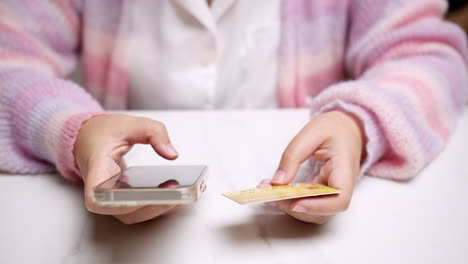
184	54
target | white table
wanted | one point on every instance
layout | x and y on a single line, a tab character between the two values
43	219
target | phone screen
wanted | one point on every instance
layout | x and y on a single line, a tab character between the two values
155	177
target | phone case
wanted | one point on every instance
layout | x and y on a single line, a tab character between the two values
148	195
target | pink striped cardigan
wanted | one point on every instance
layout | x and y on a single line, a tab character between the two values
393	63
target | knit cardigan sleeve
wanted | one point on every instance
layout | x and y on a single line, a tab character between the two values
40	112
408	71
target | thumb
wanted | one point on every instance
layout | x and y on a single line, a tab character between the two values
301	147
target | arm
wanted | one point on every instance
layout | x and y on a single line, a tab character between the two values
409	71
45	120
40	112
409	86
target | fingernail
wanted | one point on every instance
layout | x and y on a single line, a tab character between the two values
299	209
272	204
170	148
279	177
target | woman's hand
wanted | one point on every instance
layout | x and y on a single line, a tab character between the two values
336	140
99	148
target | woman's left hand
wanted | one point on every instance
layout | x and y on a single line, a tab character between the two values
336	139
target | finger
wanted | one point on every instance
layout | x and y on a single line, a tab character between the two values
285	206
122	164
266	181
322	155
169	184
264	185
145	213
299	149
340	178
146	131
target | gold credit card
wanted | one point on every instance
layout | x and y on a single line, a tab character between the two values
280	192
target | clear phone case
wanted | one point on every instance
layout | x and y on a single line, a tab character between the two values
152	185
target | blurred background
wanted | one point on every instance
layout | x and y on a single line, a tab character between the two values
458	13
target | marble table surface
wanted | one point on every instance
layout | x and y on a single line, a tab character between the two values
43	219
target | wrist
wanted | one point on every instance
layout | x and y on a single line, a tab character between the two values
66	163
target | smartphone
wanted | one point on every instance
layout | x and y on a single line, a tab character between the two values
147	185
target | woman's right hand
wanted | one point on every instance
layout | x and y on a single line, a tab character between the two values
99	148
